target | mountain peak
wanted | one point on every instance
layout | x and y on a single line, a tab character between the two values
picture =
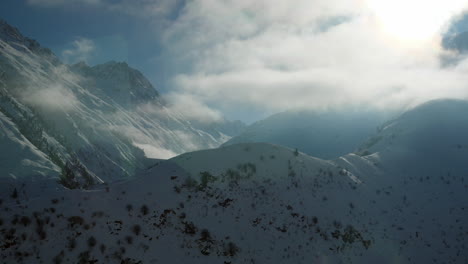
124	84
80	64
113	67
9	33
14	37
117	63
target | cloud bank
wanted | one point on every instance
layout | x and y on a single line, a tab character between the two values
192	108
270	56
315	54
51	98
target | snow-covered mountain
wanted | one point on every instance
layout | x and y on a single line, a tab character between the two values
401	201
19	156
92	124
435	130
119	82
256	203
320	134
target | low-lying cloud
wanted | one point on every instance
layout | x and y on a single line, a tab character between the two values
52	97
191	108
154	152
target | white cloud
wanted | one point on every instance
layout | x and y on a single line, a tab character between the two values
182	107
192	108
53	97
284	54
155	152
275	55
81	49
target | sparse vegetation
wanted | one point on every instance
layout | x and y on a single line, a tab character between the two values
190	183
75	175
205	179
92	241
231	249
14	194
136	229
190	228
144	209
364	149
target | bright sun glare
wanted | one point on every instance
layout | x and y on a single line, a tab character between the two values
414	20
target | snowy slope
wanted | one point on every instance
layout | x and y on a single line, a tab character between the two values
107	120
321	134
411	214
431	138
163	216
246	203
423	159
19	158
119	82
400	199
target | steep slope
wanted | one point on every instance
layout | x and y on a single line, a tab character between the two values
19	158
119	82
36	91
401	200
104	122
429	138
423	158
326	135
275	209
413	212
246	203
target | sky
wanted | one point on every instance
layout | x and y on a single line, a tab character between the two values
247	59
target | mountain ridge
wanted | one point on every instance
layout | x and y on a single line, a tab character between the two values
117	80
262	203
110	112
12	35
325	135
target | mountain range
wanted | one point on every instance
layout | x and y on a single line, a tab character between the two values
325	135
98	123
401	200
77	185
